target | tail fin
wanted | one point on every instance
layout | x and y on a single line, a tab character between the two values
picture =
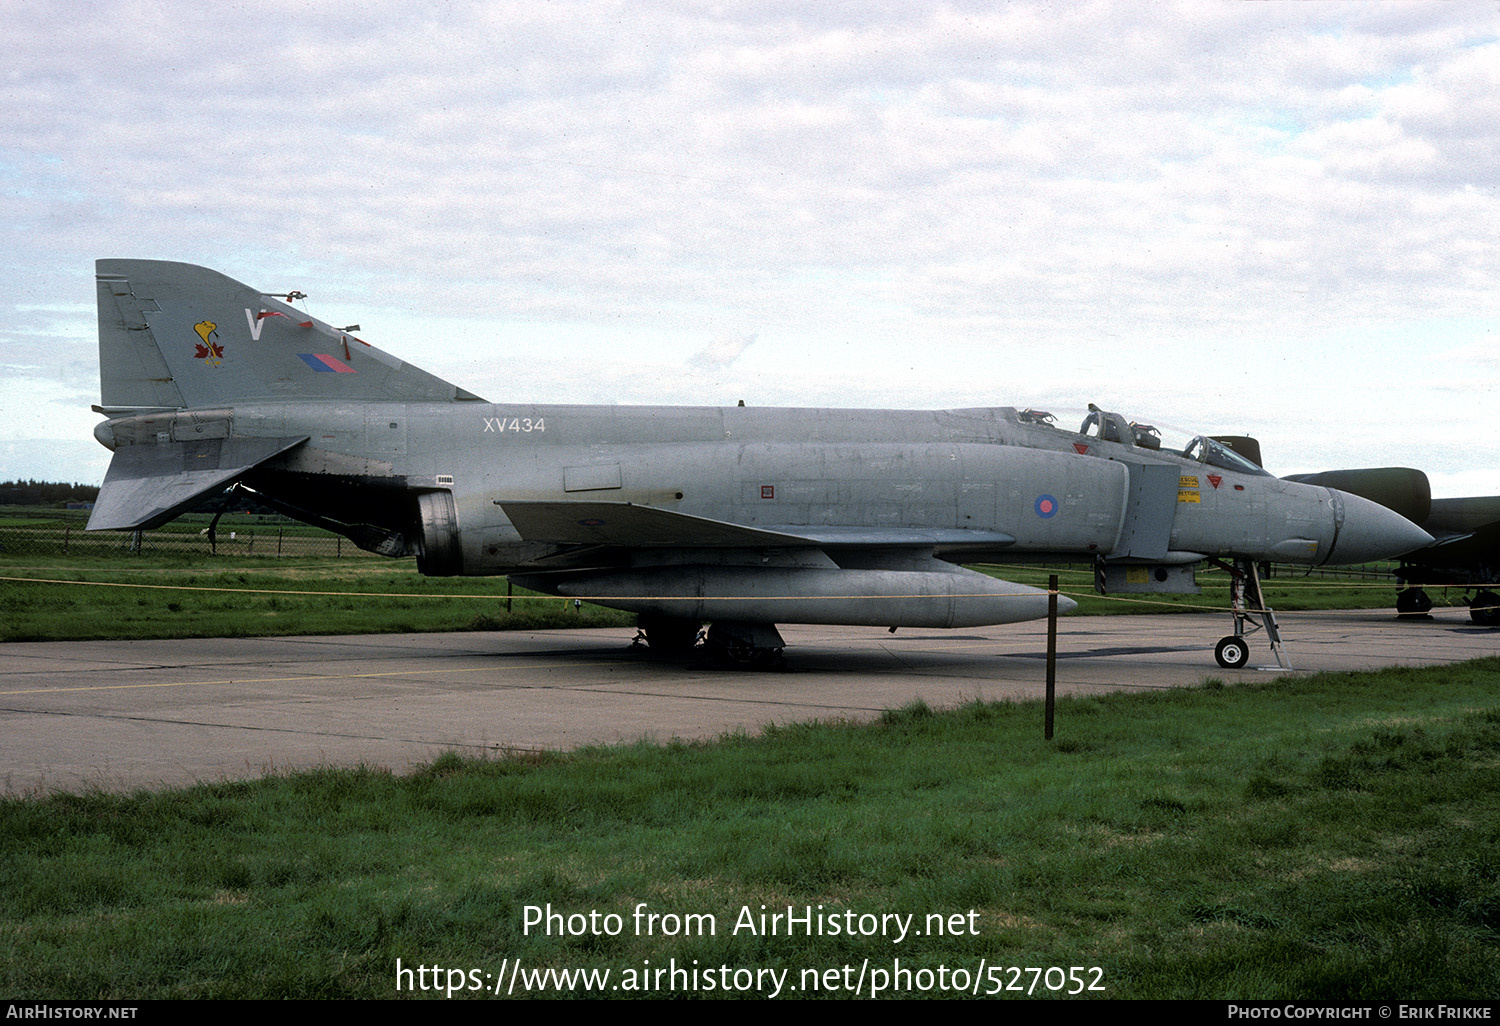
179	347
175	336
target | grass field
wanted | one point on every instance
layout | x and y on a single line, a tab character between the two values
117	594
1290	590
82	598
1334	837
271	576
1330	837
35	530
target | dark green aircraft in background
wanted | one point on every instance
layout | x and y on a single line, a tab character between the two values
1465	551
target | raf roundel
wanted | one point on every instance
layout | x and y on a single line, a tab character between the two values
1046	506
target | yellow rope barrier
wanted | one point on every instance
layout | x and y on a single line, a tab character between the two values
1076	594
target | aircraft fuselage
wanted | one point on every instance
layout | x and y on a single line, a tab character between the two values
743	516
982	484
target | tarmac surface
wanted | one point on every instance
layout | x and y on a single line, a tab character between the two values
120	715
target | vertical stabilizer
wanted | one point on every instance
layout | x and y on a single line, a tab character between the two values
175	336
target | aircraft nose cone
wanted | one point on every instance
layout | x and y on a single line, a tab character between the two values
1371	532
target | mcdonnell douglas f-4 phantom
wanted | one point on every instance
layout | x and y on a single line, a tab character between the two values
739	516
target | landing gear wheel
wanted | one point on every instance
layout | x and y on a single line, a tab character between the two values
668	635
1413	602
1232	652
744	646
1247	604
741	653
1484	609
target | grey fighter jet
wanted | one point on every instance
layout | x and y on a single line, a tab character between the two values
740	517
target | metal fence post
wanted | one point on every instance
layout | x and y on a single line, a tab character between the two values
1051	654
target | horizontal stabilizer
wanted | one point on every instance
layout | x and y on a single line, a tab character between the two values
147	485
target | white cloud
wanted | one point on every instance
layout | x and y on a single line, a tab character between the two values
721	352
1243	212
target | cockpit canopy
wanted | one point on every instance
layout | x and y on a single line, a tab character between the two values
1217	454
1111	427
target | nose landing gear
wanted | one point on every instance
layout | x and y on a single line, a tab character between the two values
1251	614
1232	652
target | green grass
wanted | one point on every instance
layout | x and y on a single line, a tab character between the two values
1332	837
38	531
115	594
194	597
1291	590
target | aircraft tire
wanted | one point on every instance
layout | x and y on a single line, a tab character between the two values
670	636
1232	652
744	646
1413	602
1484	609
739	655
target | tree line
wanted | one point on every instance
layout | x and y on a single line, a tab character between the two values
45	493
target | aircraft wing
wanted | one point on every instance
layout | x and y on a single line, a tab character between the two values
147	485
626	523
1450	547
629	524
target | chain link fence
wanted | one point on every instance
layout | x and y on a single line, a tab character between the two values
34	531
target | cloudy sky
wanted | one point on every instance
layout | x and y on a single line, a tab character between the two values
1279	219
